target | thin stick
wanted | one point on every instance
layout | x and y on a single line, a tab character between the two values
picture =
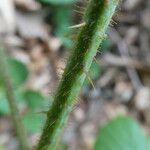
124	52
12	101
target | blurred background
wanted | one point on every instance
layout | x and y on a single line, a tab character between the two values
38	40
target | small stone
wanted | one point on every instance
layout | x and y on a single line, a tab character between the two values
88	135
13	144
114	109
145	19
54	44
70	132
131	4
124	91
5	138
131	35
79	114
142	99
94	93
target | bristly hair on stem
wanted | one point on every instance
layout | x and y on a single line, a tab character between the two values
91	35
5	75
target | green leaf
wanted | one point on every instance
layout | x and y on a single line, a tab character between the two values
57	1
33	122
34	99
38	105
4	106
122	133
2	148
63	19
18	71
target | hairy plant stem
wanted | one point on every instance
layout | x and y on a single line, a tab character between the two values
97	19
5	75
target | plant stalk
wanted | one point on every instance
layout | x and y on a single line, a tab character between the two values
97	19
12	101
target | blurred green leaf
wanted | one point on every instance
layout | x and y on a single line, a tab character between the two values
4	106
38	104
18	71
34	99
122	133
57	1
33	122
63	19
2	148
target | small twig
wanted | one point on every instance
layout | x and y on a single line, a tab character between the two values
114	60
12	101
124	52
107	77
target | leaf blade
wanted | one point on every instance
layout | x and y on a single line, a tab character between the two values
122	133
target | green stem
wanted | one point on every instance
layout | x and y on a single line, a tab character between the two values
4	72
97	19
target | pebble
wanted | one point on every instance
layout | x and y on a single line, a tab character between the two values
142	98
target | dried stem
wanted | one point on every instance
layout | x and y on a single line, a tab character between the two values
5	75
